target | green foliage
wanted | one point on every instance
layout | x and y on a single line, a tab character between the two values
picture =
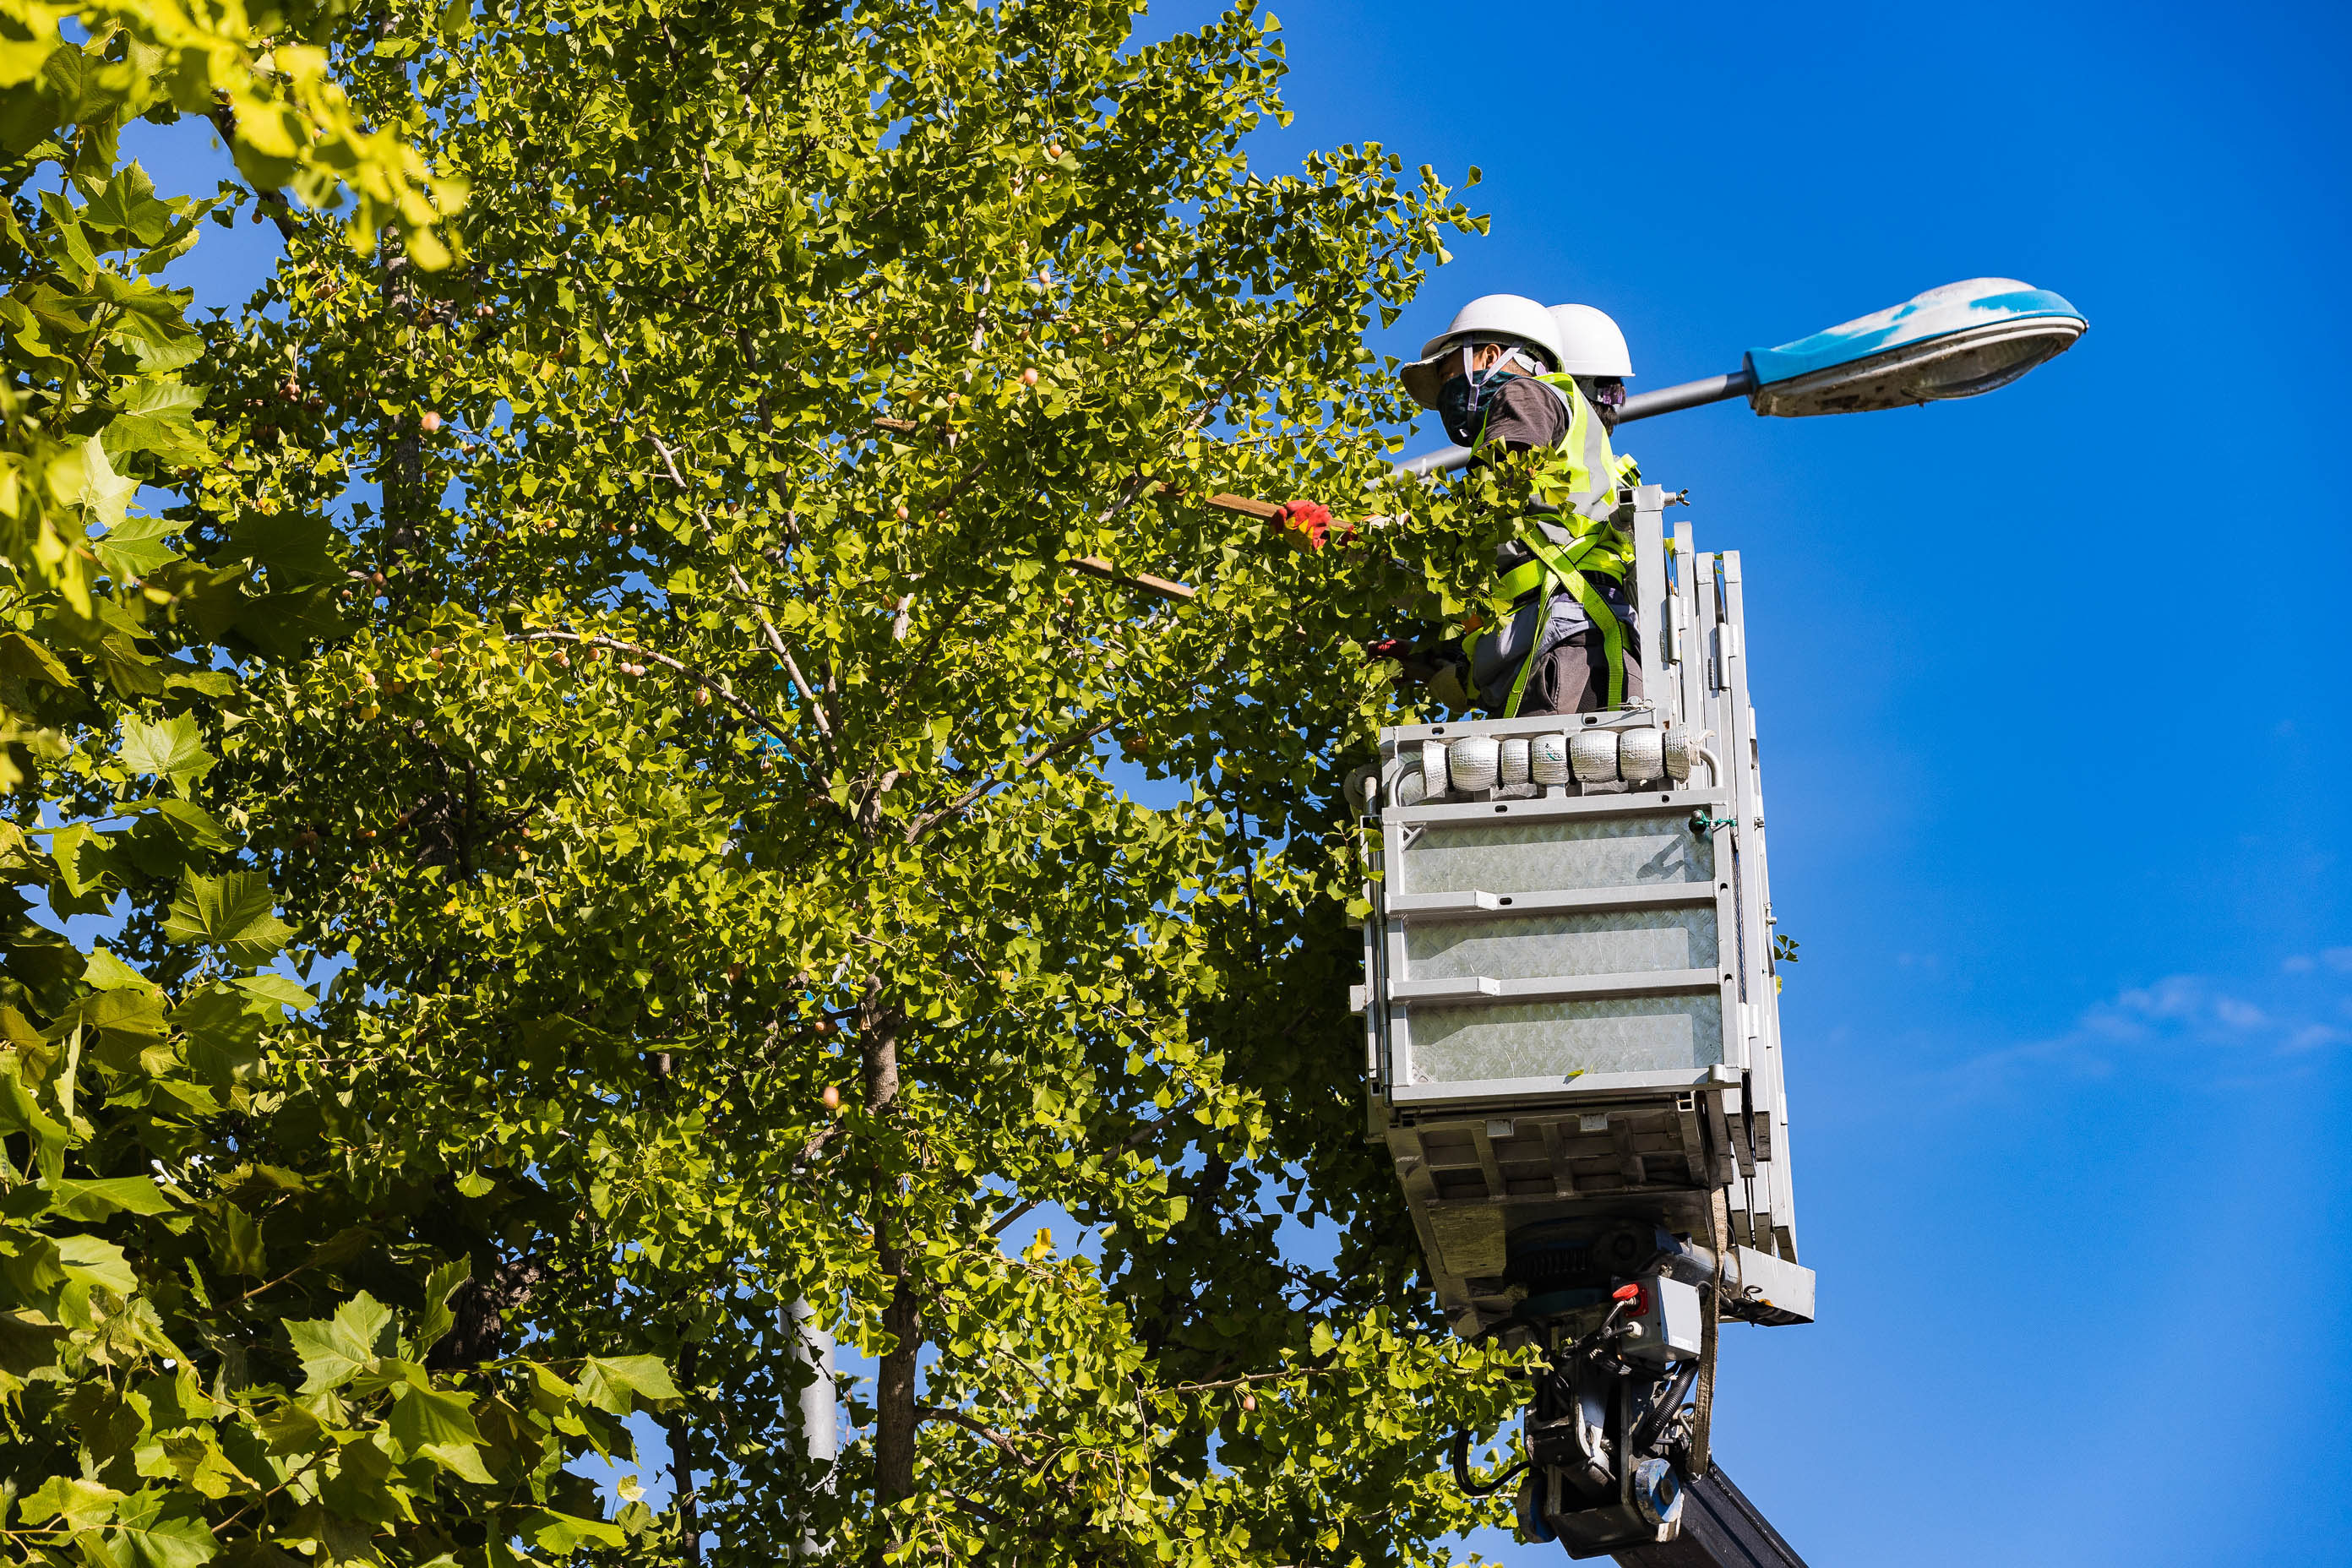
99	397
646	651
193	1364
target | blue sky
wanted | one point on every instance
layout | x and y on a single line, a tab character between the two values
2052	688
2052	693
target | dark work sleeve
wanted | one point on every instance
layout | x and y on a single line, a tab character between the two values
1526	414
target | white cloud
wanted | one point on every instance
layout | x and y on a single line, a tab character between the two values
2239	1015
2188	1017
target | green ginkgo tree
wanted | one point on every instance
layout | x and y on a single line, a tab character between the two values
640	820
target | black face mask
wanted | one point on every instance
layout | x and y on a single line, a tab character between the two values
1608	400
1463	402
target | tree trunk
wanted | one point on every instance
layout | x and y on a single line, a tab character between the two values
400	478
675	1426
894	1394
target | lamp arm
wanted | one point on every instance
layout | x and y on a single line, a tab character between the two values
1689	395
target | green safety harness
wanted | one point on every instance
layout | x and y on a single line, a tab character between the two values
1596	546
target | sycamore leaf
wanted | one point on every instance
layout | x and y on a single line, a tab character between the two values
172	749
31	1268
564	1532
143	1537
221	1033
333	1350
23	658
21	58
460	1460
162	397
79	853
89	1260
291	1428
176	442
82	476
430	1415
192	825
157	356
27	1343
277	988
608	1382
234	911
127	204
19	1112
134	547
288	542
86	1505
237	1245
94	1200
127	1010
107	973
438	1317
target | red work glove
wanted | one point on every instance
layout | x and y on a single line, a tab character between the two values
1307	522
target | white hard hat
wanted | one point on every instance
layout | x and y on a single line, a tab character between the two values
1489	319
1589	342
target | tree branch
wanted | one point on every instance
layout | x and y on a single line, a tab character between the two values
943	1413
775	638
710	682
923	824
1140	1136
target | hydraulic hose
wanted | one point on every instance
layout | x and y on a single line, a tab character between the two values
1462	1471
1655	1421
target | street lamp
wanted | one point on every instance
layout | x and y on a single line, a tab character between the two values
1957	341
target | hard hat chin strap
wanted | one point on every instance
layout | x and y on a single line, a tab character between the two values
1512	357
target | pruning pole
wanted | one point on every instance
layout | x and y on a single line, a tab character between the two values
1176	592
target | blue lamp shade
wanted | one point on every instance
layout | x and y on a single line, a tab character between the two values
1957	341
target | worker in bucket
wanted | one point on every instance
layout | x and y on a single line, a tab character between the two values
1560	636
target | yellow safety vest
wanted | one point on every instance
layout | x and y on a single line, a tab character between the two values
1597	545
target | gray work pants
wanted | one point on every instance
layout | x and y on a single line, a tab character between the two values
1571	670
1572	676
